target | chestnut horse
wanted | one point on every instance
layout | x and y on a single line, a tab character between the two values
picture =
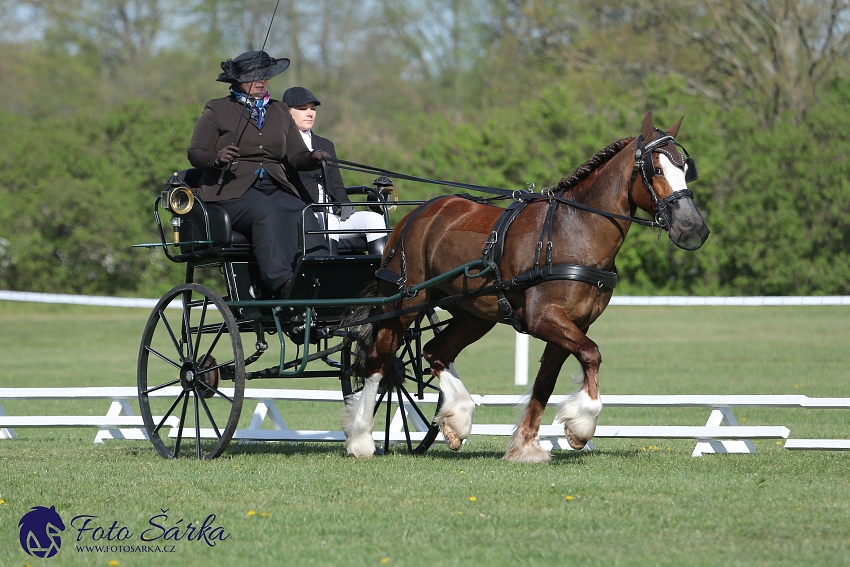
578	227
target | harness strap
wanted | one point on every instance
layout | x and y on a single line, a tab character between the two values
599	278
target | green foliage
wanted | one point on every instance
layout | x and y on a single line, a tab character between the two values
77	194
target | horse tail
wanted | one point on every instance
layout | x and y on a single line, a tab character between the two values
365	335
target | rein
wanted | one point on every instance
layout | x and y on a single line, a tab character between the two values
519	194
491	255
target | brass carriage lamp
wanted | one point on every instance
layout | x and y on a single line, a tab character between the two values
384	185
178	199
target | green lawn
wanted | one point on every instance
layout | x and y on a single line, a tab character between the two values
630	502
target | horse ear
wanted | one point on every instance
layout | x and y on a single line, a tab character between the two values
646	128
674	129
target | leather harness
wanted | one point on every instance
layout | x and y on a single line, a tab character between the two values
492	256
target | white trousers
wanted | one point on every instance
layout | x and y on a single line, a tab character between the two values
360	220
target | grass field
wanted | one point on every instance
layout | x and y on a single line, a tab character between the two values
630	502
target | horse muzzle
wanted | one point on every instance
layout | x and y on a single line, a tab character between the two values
685	225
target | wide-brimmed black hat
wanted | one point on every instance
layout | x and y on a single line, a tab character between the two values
299	96
251	66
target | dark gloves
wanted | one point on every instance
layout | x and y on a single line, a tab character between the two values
320	155
345	212
226	155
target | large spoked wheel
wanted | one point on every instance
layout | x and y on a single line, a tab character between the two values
410	396
191	374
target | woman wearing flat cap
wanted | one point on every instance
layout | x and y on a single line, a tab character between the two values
302	106
241	142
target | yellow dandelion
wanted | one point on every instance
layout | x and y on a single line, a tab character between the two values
472	498
265	515
798	509
385	560
743	419
569	497
113	563
251	513
2	501
779	442
462	472
459	513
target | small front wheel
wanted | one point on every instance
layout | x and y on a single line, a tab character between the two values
190	349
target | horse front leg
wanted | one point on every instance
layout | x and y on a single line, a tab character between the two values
524	446
358	417
581	409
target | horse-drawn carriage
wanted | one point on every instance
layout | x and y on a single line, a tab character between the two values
544	264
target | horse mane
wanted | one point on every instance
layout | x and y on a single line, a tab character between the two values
599	159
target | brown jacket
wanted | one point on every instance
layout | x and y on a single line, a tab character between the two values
277	146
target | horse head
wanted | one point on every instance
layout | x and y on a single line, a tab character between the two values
664	172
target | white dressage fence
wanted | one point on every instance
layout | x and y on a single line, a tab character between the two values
721	432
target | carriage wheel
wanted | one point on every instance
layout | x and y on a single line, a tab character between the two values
191	373
410	396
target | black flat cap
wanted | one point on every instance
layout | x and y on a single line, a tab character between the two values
299	96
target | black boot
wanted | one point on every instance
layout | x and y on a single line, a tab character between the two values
376	246
333	247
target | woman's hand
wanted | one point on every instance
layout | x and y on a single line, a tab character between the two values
226	155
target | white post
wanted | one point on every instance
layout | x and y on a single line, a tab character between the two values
521	360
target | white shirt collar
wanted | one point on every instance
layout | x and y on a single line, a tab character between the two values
308	139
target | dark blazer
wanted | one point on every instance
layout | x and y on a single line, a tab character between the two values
307	181
278	143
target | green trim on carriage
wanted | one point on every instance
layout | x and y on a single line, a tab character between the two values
165	244
358	301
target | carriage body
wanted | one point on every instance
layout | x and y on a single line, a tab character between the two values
195	356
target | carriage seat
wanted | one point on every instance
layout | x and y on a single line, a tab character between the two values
194	225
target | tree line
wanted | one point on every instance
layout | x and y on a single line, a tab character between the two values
99	99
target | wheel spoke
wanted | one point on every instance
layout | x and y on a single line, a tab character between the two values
218	392
182	422
378	403
162	357
168	413
403	418
174	340
387	426
197	425
161	386
209	414
412	403
187	323
201	326
212	346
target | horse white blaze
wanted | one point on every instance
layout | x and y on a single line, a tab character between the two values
674	176
458	409
358	420
579	412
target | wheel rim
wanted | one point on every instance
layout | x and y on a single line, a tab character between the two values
186	367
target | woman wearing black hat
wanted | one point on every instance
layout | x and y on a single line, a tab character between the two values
302	106
241	142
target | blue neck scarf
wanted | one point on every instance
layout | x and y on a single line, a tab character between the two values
258	107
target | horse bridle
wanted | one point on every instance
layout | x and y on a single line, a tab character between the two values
647	170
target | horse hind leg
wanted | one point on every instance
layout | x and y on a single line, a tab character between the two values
358	419
377	346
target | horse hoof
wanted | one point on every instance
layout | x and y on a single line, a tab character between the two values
574	441
528	453
452	439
